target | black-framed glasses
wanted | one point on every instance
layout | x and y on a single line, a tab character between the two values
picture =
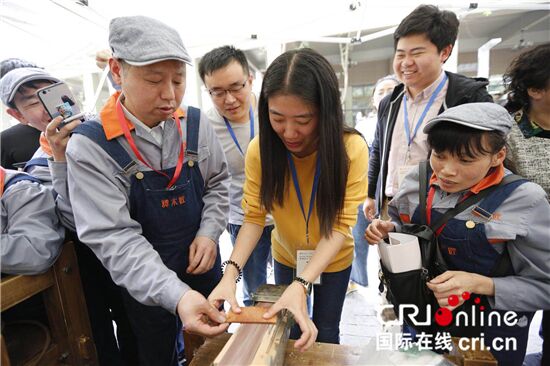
234	89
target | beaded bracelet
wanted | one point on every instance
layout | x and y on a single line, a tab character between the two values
236	265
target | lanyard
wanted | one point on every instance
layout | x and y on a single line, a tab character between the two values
123	121
2	178
299	193
426	109
232	133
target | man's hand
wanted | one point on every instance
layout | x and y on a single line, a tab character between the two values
199	316
202	255
102	58
378	230
59	137
369	208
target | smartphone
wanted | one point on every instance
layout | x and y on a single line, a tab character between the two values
59	101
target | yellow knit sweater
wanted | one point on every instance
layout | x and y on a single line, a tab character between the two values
289	234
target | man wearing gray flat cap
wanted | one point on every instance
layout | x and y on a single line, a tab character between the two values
149	187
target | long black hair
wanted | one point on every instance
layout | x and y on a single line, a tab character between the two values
306	74
463	141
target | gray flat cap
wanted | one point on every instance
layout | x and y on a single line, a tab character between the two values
481	116
141	41
12	81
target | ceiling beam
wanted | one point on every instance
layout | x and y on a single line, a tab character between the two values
522	21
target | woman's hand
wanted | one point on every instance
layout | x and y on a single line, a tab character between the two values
294	299
458	282
368	208
225	290
378	230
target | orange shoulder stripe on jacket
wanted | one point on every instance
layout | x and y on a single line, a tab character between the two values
109	118
2	179
45	145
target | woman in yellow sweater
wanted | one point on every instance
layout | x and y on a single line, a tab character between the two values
309	172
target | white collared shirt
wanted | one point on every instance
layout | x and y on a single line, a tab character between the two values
156	132
399	154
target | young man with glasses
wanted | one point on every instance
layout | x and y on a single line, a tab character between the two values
226	74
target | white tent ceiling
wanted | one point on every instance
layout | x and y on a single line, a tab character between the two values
63	35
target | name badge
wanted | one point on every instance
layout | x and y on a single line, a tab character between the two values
302	259
402	172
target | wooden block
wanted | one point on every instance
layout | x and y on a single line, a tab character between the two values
18	288
472	357
250	314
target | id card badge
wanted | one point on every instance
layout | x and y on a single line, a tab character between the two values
302	259
402	172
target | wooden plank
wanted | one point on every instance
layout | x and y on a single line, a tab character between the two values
250	314
4	357
16	289
192	343
77	321
56	321
271	352
247	339
50	357
320	354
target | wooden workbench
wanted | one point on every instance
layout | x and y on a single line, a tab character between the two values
320	354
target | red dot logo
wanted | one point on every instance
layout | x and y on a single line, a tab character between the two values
482	308
452	300
466	295
443	317
477	300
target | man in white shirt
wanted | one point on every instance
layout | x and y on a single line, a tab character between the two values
226	75
423	42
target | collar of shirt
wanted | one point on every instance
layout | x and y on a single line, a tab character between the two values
109	118
528	127
156	132
426	93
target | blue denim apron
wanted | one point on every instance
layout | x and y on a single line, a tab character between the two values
170	219
472	252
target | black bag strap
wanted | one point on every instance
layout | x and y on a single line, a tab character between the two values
472	200
503	265
423	180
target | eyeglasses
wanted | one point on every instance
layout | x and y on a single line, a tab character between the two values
233	90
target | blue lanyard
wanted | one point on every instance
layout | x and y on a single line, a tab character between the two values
232	133
426	109
299	193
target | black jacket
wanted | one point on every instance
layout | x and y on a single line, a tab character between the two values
461	90
18	144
